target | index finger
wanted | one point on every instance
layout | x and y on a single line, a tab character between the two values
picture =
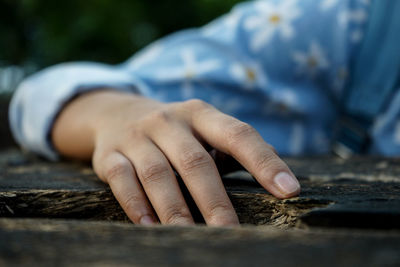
245	144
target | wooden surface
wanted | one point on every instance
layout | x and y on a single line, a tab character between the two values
347	214
78	243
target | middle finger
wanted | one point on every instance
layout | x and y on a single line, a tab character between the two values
199	173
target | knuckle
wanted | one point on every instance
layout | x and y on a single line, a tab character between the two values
270	147
156	118
131	202
162	115
153	172
194	159
196	104
238	131
267	163
219	208
176	214
135	133
116	170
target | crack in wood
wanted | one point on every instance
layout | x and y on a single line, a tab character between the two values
255	209
30	187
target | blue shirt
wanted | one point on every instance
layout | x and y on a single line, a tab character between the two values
281	66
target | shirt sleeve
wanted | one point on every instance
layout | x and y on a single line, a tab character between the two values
39	98
273	64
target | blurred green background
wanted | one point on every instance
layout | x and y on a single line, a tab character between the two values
38	33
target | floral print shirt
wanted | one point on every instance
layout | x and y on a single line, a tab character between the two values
280	65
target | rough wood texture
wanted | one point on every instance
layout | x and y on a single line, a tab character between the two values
360	193
76	243
333	194
326	168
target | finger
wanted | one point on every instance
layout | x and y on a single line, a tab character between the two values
242	141
117	171
198	171
159	182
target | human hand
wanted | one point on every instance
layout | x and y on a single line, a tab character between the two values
137	143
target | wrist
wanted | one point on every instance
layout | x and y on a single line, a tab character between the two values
93	115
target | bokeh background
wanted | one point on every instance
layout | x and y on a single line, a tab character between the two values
38	33
35	34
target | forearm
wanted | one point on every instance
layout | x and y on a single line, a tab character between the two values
74	131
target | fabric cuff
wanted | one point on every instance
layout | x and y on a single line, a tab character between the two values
39	99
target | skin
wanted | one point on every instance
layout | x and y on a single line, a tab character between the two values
136	143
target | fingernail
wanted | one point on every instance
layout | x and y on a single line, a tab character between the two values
146	220
286	183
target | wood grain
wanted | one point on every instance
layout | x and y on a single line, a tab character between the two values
60	214
30	187
41	242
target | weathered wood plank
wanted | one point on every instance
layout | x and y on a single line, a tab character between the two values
335	194
360	168
77	243
30	187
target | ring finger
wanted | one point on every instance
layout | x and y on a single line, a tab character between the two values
159	182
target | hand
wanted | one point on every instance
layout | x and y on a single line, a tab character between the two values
137	143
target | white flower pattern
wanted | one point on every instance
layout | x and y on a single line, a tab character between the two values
191	71
270	19
356	17
249	74
245	63
312	61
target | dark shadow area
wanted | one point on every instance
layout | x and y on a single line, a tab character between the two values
6	139
48	32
